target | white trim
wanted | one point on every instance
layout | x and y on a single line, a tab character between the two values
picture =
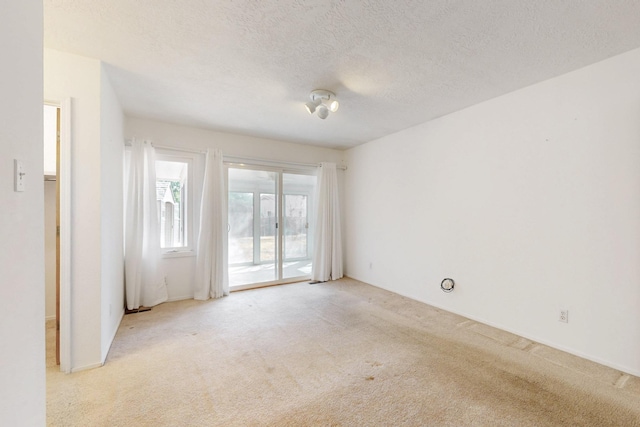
65	235
279	224
287	281
86	367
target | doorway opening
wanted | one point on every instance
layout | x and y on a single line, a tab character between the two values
51	127
57	192
270	226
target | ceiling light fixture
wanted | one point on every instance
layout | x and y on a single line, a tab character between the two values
322	101
312	105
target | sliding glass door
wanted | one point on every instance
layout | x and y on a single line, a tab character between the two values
297	192
253	255
269	225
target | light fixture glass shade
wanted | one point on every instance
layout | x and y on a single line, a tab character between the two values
333	105
311	107
323	112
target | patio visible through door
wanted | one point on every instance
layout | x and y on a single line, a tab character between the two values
270	226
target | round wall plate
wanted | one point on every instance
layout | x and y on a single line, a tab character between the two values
447	285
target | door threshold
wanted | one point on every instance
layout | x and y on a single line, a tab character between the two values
247	287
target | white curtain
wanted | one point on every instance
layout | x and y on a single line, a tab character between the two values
212	279
327	253
143	285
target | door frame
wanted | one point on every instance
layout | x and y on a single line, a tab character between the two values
64	182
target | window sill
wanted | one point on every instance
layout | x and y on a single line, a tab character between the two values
178	253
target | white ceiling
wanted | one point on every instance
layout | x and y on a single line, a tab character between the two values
247	66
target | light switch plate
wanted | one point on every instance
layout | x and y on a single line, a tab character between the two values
18	178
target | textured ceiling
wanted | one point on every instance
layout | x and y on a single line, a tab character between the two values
247	66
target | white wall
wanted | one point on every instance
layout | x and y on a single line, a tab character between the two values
22	349
180	272
112	264
67	75
530	201
96	202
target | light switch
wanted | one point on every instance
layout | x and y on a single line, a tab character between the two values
19	173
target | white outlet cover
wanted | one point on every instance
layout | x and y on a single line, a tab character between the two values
564	316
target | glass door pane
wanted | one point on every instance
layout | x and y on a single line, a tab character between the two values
297	227
253	215
268	230
240	227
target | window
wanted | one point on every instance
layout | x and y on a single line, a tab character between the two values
174	202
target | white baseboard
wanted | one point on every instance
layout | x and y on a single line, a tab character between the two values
86	367
621	368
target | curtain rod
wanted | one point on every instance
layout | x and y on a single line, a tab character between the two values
127	143
240	159
187	150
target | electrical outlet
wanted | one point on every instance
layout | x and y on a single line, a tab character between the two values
370	266
564	316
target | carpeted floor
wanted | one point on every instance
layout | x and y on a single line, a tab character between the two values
335	354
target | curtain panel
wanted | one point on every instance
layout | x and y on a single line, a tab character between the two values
212	279
327	254
143	284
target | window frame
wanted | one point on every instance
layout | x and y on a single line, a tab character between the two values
187	205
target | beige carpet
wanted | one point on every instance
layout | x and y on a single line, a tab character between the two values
334	354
